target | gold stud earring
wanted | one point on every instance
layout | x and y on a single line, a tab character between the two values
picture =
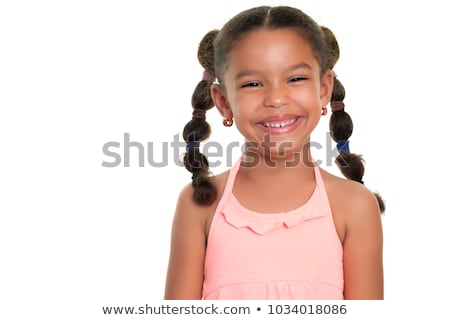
227	122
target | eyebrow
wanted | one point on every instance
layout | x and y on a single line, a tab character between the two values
302	65
244	73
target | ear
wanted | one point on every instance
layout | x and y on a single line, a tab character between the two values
326	87
220	101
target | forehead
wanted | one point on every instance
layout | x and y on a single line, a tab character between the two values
271	49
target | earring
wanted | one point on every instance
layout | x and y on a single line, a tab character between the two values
227	122
324	111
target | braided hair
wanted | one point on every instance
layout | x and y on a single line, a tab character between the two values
197	129
341	125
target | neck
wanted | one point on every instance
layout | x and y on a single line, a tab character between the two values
269	166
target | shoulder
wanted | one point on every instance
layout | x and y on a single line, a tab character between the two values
186	199
193	214
353	205
351	195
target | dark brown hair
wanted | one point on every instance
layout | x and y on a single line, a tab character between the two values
213	55
341	125
198	129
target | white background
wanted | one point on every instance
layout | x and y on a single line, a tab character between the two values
74	75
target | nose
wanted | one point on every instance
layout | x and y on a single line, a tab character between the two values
277	96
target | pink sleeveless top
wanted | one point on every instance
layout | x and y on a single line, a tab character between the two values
290	255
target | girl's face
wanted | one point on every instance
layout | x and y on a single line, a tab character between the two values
273	89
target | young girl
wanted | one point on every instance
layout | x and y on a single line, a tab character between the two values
274	226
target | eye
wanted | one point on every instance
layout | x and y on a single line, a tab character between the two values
251	84
297	79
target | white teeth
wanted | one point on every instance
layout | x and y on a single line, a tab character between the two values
279	124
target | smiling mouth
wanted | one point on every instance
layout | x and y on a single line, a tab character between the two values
279	124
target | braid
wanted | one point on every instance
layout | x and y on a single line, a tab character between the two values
341	125
198	129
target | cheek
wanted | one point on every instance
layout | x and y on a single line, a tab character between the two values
238	111
239	105
248	108
309	97
308	101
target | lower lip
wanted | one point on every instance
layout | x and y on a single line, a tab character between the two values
282	130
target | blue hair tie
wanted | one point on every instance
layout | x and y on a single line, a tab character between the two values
343	146
192	145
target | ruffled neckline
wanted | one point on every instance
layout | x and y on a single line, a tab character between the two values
239	216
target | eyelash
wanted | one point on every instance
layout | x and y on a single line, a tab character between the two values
251	84
296	79
257	84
